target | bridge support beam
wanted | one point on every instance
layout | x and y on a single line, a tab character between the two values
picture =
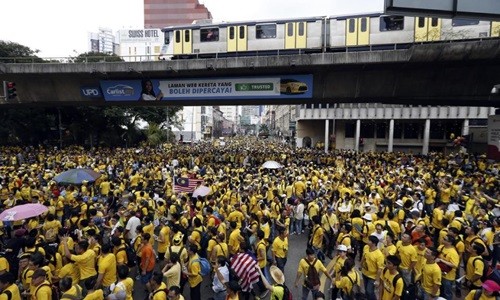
390	145
357	135
427	132
327	134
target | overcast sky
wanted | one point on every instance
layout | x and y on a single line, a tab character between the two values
60	28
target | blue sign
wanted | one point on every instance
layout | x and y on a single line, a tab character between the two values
264	87
91	91
123	90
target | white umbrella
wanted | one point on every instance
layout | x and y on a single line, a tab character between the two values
271	164
201	191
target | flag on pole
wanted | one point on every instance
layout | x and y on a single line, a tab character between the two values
185	185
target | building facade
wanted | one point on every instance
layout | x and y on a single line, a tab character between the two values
139	44
162	13
102	41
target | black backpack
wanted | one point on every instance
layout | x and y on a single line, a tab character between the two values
286	293
205	238
407	292
131	255
486	268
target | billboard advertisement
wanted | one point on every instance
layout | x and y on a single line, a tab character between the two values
140	36
269	87
494	137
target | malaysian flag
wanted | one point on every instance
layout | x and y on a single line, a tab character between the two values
244	267
185	185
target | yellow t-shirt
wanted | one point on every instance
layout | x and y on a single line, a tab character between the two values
95	295
14	290
160	293
373	262
173	275
71	271
450	255
388	284
43	291
194	268
261	252
317	238
345	283
126	285
280	247
107	265
304	266
86	263
234	241
431	275
472	293
475	265
408	255
74	291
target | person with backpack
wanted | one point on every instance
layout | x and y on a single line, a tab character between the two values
8	288
372	263
431	275
311	267
193	272
347	281
158	287
489	291
42	287
475	267
279	291
392	282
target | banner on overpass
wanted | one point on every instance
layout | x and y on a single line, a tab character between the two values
269	87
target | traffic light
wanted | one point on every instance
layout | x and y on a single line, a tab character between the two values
10	91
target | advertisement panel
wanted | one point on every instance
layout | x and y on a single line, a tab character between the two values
140	36
494	137
277	86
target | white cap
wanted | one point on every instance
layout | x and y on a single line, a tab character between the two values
367	217
342	248
399	202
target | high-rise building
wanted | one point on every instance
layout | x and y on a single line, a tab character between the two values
162	13
102	41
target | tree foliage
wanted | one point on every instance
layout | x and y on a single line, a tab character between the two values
11	52
97	57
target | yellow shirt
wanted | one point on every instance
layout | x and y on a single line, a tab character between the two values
70	270
95	295
75	291
86	263
126	285
43	291
431	275
165	232
234	241
317	238
280	247
161	292
388	283
107	265
173	275
373	261
408	255
345	283
194	268
472	293
450	255
304	266
338	264
14	290
475	266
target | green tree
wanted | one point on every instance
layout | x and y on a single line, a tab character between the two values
96	57
11	52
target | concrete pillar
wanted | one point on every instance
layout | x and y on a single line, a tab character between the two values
390	145
427	132
327	134
356	136
465	127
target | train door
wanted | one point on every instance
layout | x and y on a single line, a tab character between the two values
183	41
295	35
495	29
237	38
357	31
427	29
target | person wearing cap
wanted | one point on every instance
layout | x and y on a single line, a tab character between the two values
8	288
372	263
336	266
367	229
489	291
41	286
345	279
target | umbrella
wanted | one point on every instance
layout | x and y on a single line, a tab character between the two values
22	212
77	176
201	191
271	164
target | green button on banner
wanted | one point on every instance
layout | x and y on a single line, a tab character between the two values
246	87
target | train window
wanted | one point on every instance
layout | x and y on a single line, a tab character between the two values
242	32
301	28
177	36
463	22
421	22
392	23
187	36
363	24
289	27
352	25
209	34
167	38
267	31
231	33
434	22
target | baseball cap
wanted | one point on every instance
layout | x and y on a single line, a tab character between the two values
491	286
342	248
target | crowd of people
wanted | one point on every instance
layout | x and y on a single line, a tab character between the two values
382	225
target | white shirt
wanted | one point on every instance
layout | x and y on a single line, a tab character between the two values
218	286
132	224
299	211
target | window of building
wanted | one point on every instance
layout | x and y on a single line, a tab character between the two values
350	129
398	130
463	22
392	23
367	130
453	126
437	130
209	34
265	31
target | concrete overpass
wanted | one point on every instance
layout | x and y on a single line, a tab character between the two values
454	73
